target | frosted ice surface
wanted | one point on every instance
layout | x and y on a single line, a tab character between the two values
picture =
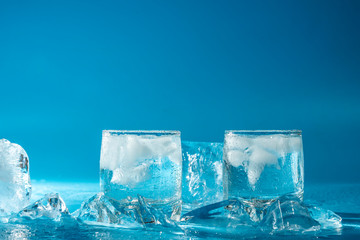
202	173
124	154
15	186
258	152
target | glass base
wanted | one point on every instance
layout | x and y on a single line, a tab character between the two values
149	212
256	208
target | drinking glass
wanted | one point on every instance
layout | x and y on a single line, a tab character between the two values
260	166
145	163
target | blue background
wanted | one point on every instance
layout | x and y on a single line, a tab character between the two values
69	69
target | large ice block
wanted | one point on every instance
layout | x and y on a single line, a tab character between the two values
146	163
15	186
202	173
263	165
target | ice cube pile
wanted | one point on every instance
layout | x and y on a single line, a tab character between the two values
15	185
202	182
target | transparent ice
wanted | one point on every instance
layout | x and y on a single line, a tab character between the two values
51	206
228	213
100	209
281	215
136	163
286	215
15	185
202	173
326	218
263	166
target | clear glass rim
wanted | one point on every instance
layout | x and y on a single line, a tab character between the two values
294	131
147	132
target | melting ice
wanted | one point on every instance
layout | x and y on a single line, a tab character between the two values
15	185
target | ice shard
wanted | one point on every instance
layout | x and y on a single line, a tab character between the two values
51	206
103	210
288	213
100	210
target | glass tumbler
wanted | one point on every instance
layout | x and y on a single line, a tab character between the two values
145	163
261	166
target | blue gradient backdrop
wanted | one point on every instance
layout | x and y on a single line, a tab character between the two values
69	69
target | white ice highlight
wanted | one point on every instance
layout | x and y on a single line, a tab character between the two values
255	153
125	155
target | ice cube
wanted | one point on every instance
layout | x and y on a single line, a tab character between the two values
288	213
15	186
51	206
100	210
327	218
202	173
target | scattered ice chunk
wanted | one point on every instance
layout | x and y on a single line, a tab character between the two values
327	218
99	209
51	206
15	186
202	173
288	214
